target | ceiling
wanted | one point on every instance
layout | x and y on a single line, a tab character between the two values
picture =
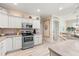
46	9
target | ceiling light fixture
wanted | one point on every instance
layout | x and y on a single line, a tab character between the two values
60	8
38	10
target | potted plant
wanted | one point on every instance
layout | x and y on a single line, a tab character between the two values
71	30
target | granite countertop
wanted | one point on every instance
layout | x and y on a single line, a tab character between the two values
66	48
7	36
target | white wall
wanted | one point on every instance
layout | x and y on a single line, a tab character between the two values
71	23
62	25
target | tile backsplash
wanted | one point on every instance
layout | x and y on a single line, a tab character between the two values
9	31
14	31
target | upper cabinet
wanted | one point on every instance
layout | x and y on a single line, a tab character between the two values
27	21
36	24
15	22
9	21
3	20
24	20
30	21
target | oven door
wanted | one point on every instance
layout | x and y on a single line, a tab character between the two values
27	39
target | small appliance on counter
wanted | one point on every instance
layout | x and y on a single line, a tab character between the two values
34	31
27	36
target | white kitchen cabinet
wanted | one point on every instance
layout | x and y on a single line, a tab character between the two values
17	43
15	22
24	20
11	22
9	44
36	24
40	39
30	21
13	43
3	20
2	48
37	39
27	21
18	22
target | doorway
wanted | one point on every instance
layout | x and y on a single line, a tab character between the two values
55	30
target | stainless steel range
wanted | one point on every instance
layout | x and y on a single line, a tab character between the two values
27	36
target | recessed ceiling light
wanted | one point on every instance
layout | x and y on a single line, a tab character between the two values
60	8
15	3
38	10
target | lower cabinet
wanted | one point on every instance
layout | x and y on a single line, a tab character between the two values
17	43
14	43
9	44
37	39
2	48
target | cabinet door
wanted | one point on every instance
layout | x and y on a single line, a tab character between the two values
27	21
14	22
24	20
30	21
3	20
9	45
17	21
0	50
36	24
40	39
11	22
17	43
3	47
36	40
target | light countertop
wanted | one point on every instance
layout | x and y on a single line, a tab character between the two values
66	48
8	36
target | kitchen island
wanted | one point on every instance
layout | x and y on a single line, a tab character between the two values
67	36
65	48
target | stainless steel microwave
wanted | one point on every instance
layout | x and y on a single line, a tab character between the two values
27	25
